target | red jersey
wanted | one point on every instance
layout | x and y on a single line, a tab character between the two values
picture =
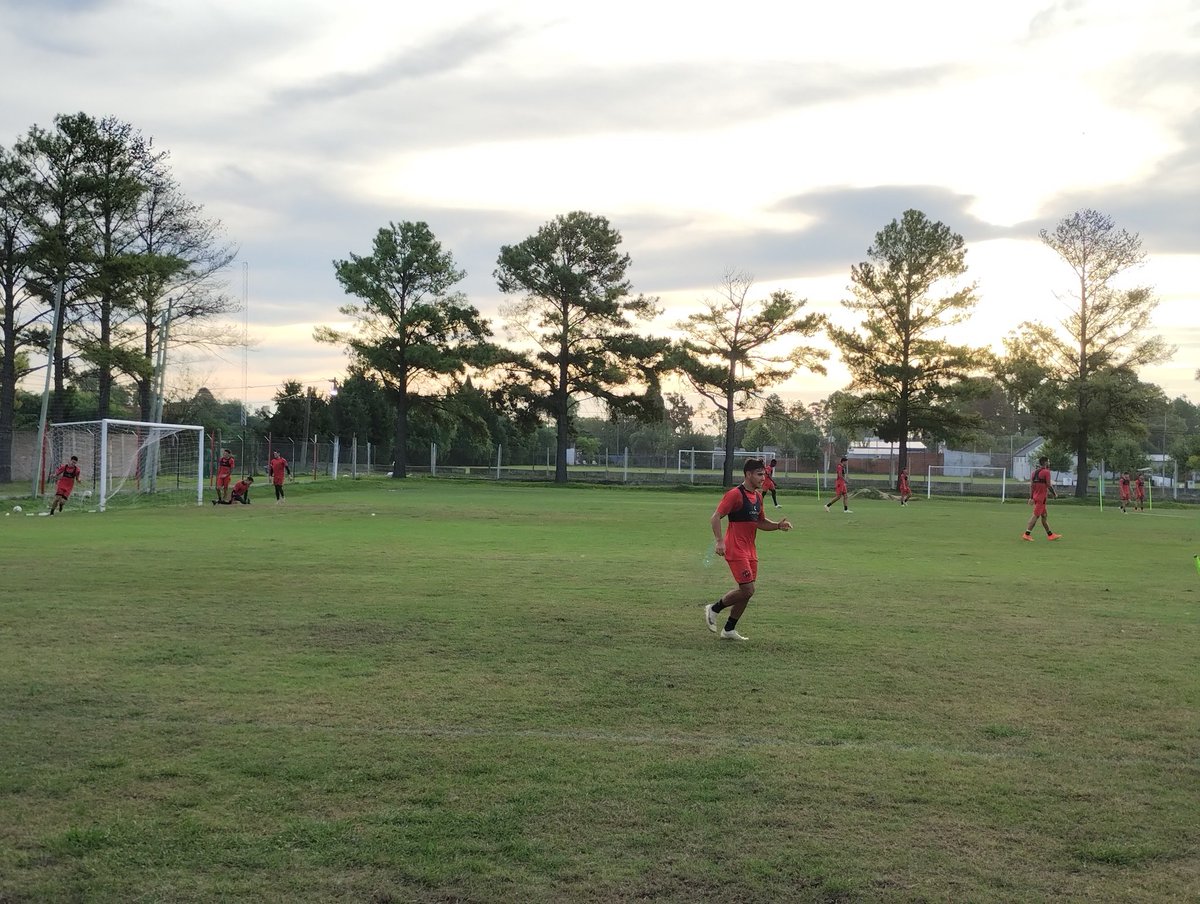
67	475
903	483
225	465
240	488
278	467
841	471
1141	489
744	511
770	472
1124	487
1039	487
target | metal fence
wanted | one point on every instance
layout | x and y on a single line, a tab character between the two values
331	458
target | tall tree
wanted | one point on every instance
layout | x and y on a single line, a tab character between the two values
1089	358
735	349
62	233
182	258
412	332
908	379
578	312
19	310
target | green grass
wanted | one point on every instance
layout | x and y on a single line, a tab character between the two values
506	693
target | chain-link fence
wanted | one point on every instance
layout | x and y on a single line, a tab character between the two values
943	472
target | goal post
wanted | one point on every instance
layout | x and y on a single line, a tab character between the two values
966	480
131	462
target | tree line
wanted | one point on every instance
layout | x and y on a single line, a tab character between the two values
103	255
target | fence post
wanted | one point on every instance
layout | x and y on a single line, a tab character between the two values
335	455
625	479
498	449
433	459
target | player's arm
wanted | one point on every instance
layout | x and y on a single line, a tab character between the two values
715	523
765	523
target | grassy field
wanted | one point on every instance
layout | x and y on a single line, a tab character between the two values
448	691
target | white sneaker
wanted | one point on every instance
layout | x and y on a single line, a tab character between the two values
847	512
732	635
710	618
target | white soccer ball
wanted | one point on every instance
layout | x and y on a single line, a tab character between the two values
87	494
16	508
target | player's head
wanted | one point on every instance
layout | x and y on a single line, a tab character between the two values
225	452
772	462
74	458
249	478
844	458
755	472
1043	461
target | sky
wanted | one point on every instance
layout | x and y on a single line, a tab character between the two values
773	138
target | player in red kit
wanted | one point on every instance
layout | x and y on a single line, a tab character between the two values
1139	493
743	506
905	492
1039	488
67	474
840	490
1124	491
769	483
225	466
278	466
241	491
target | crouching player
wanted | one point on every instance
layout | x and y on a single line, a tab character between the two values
240	493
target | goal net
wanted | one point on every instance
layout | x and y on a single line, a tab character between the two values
128	463
965	480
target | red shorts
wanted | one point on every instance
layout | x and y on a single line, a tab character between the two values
768	484
1141	496
222	480
1124	495
745	571
1039	507
839	488
64	490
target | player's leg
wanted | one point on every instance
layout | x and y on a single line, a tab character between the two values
736	602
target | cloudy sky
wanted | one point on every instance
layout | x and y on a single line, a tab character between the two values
774	138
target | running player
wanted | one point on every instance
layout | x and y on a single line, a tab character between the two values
1038	489
1124	492
743	505
67	474
224	470
1139	493
278	466
769	483
905	492
839	487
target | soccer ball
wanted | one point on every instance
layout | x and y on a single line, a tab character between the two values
16	508
87	494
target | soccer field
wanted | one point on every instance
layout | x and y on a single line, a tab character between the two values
450	691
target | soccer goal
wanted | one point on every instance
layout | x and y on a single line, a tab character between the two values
964	480
130	463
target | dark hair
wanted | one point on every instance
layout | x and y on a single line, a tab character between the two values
74	458
753	464
1043	460
773	460
844	458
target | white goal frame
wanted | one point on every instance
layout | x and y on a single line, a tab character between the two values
102	487
969	472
